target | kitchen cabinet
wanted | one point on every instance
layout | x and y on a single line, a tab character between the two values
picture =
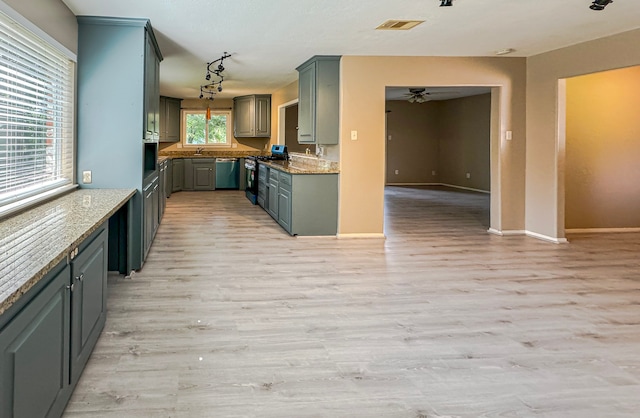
151	210
252	116
162	188
169	119
168	179
263	180
88	301
319	100
177	174
272	194
305	204
118	100
46	337
199	174
204	177
152	91
284	200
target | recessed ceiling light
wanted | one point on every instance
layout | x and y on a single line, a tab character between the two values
399	24
505	51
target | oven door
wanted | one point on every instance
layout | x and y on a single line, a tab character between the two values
251	170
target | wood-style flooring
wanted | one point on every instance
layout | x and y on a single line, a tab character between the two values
231	317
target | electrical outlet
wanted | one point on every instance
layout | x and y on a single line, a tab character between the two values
86	177
433	172
354	135
397	171
468	175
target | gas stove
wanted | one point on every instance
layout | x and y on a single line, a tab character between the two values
278	152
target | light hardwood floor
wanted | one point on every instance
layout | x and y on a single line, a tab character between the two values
231	317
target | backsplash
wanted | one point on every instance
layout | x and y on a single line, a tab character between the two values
311	161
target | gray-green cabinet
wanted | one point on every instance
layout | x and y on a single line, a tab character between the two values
117	104
34	367
47	336
151	203
177	174
284	201
169	119
204	174
304	204
252	116
151	83
319	100
263	180
88	301
272	194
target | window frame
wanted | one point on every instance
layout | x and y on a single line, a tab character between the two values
183	130
21	199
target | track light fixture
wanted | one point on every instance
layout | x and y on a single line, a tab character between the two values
208	91
599	4
446	3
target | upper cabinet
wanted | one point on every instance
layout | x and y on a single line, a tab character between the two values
152	91
118	112
252	116
169	119
319	100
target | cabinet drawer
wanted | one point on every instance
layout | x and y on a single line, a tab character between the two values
285	180
273	175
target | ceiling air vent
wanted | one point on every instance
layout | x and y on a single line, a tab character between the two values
399	24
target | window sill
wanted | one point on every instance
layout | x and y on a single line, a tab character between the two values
15	207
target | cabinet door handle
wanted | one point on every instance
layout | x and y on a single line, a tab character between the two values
70	287
80	277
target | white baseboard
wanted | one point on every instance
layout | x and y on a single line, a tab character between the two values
506	233
600	230
546	238
359	236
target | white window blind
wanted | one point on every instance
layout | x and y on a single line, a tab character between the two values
36	114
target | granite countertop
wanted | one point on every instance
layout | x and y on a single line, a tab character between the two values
293	168
35	241
210	154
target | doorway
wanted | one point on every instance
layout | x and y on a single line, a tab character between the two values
438	139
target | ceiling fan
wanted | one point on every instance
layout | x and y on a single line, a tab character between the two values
421	95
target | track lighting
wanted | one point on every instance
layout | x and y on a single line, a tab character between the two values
446	3
208	91
600	4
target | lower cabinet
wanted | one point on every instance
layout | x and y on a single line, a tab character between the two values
304	204
151	204
272	194
263	178
204	174
177	175
46	337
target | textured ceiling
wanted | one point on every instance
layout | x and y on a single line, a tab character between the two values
268	39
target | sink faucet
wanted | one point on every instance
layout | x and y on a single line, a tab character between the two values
199	150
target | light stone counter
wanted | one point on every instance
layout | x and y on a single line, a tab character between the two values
293	168
35	241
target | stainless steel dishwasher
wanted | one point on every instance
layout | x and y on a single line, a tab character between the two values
227	173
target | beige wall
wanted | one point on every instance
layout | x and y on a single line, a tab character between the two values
545	179
602	180
465	130
413	148
51	16
278	98
448	137
362	167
